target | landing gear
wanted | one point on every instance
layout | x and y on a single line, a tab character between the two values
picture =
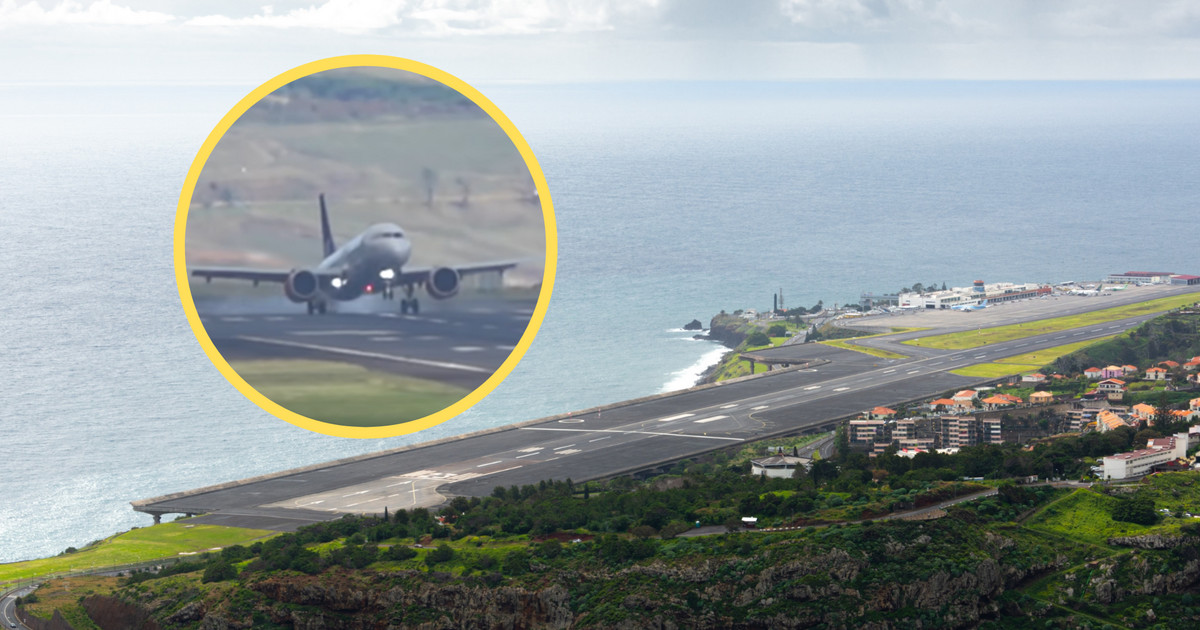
316	306
409	302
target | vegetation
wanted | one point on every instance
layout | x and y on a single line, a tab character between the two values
1169	337
1025	363
346	394
167	540
982	337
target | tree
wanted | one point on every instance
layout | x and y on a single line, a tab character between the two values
758	338
1138	510
777	330
443	553
218	571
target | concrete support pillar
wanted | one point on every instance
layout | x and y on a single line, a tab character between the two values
157	519
751	365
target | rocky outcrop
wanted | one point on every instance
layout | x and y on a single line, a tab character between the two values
1152	541
693	325
728	330
111	613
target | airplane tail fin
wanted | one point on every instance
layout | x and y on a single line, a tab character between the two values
326	234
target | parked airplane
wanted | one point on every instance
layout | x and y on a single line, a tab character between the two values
971	307
372	262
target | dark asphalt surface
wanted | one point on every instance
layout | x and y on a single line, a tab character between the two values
462	343
628	437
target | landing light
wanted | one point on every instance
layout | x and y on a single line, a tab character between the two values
337	283
387	274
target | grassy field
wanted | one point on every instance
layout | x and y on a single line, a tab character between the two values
976	338
138	545
1027	362
1084	515
346	394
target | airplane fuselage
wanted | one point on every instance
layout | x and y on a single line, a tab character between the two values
366	263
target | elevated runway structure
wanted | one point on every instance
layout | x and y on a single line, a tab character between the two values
823	385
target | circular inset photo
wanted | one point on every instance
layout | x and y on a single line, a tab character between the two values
365	246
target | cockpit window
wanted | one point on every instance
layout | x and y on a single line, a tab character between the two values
390	235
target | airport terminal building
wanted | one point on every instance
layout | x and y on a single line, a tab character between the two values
973	295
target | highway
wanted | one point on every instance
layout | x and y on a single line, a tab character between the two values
460	343
8	607
621	438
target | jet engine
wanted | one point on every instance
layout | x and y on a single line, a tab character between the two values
443	283
301	285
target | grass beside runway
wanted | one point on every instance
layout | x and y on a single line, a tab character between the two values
144	544
345	393
1027	362
975	338
875	352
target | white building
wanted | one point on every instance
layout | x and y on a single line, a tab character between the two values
973	295
1141	462
782	466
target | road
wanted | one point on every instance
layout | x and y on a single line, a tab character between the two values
621	438
460	344
8	607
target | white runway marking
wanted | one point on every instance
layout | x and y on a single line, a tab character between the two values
558	448
437	320
525	455
729	406
235	319
676	417
938	363
980	356
912	371
809	389
467	349
498	461
506	348
278	318
841	389
681	435
601	438
398	484
354	493
532	449
387	315
384	339
712	419
889	371
429	338
447	365
343	332
759	408
570	451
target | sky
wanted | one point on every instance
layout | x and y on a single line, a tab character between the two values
234	42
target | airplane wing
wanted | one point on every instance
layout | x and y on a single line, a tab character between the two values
242	273
419	275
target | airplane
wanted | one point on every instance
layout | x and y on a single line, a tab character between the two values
971	307
372	262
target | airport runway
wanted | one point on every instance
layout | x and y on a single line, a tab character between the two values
617	439
460	345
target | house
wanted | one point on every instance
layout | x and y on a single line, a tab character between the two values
1036	377
1129	369
943	404
1107	421
1144	412
992	403
1192	365
867	433
1170	365
1112	388
783	466
1156	374
1041	398
1194	378
1194	408
966	396
1094	373
1112	371
881	413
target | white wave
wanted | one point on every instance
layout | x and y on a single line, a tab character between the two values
688	376
693	332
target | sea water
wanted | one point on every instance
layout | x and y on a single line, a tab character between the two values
673	201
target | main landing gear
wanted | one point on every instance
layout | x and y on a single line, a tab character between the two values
409	303
316	306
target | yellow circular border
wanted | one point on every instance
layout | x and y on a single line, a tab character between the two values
185	292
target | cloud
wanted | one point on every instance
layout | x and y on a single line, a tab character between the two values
338	15
102	12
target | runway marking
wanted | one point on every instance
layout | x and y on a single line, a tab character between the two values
278	318
684	435
354	493
498	461
979	356
809	389
446	365
912	371
1022	345
729	406
759	408
676	417
558	448
525	455
429	337
235	319
436	320
336	333
483	311
1079	333
532	449
398	484
467	349
570	451
938	363
712	419
607	437
385	339
387	315
506	348
841	389
889	371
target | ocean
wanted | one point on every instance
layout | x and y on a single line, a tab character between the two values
673	201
